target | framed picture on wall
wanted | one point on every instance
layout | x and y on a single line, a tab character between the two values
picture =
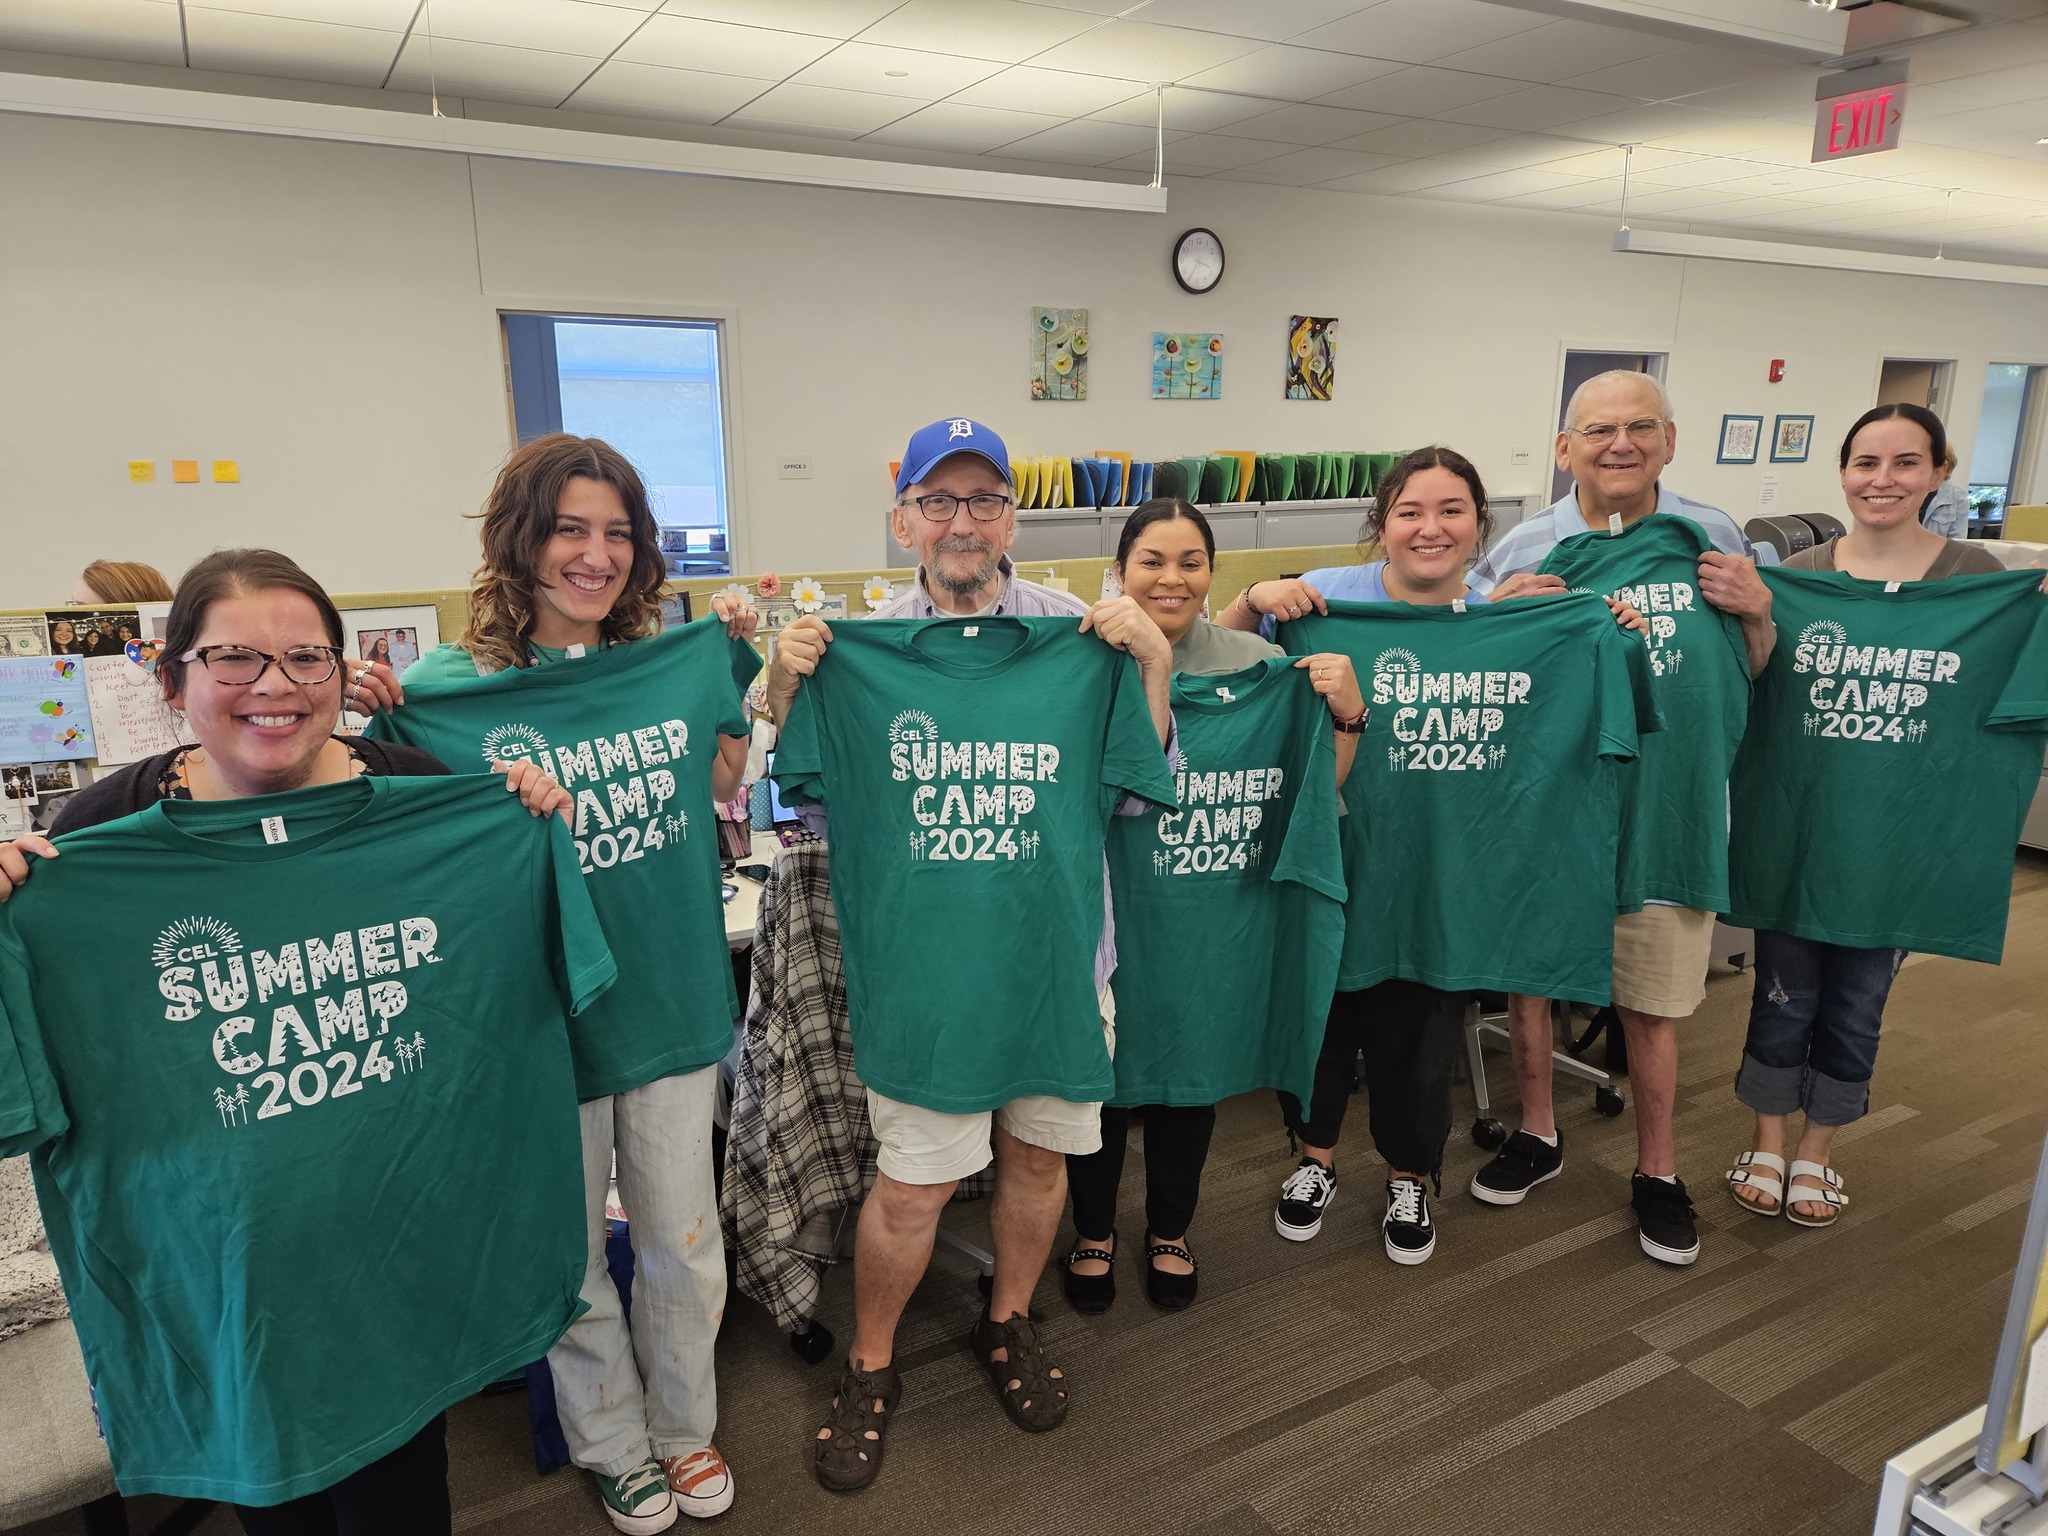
1791	439
1741	437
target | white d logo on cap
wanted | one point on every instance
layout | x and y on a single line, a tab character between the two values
959	426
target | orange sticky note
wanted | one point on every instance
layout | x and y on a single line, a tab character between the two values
185	471
226	472
141	471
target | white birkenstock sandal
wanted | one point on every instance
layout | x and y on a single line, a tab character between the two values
1815	1183
1763	1172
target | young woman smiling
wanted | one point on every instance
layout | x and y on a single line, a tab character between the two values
1165	561
1817	1008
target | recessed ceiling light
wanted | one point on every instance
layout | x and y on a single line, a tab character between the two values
896	74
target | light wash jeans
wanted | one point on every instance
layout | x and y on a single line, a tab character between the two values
622	1392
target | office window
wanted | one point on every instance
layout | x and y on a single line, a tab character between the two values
650	388
2003	428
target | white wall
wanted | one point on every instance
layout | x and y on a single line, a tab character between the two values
326	315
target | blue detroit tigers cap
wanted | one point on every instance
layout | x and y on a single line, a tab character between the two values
941	440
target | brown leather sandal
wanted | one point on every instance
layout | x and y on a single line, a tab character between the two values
1031	1394
851	1458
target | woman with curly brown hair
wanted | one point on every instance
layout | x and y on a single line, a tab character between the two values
563	661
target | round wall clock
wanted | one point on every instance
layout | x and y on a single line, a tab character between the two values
1198	260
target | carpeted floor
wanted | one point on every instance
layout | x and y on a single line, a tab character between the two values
1537	1375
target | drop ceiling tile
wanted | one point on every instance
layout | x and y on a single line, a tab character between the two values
1087	141
1514	151
1421	31
961	129
289	49
1249	18
2017	127
379	15
1678	200
1553	52
862	66
1657	123
1027	88
1140	50
145	31
549	26
454	67
1979	50
822	18
1787	96
1694	171
1540	106
721	48
1006	30
1683	71
1305	166
1212	152
651	90
1512	183
1422	90
819	109
1291	74
1195	111
1420	136
1310	125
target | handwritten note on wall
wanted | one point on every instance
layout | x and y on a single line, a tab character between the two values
128	712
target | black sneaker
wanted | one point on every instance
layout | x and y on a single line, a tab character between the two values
1308	1192
1410	1235
1522	1163
1664	1220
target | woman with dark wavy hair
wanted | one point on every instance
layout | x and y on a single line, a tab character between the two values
563	637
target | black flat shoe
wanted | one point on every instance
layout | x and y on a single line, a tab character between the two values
1168	1292
1090	1293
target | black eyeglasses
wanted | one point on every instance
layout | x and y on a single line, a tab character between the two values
239	666
942	509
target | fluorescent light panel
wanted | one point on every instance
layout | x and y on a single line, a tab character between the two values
1650	242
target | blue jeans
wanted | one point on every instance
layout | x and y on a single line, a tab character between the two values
625	1390
1813	1024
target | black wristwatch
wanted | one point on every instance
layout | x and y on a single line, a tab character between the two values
1355	727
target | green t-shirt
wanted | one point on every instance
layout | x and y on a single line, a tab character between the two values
1892	752
303	1115
1230	911
1482	821
1674	807
632	732
971	767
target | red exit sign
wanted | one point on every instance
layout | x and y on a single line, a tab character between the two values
1865	122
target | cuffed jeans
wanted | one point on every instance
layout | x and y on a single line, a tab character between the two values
1813	1024
623	1391
1410	1036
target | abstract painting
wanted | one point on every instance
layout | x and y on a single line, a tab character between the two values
1311	357
1187	365
1059	354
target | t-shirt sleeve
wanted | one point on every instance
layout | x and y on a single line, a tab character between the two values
1622	697
1133	761
745	662
1312	855
31	1109
800	750
585	968
2024	702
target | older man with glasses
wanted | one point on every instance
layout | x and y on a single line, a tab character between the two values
955	508
1618	438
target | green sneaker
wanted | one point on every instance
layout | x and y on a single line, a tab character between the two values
639	1501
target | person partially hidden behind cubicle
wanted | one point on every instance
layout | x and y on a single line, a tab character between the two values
1617	440
949	1063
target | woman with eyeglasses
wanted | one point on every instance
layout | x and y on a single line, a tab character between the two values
253	659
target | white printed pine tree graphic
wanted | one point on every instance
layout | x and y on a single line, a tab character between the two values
419	1049
1394	759
403	1048
1159	861
233	1104
1028	845
1252	853
1915	729
1811	722
916	845
676	824
1496	755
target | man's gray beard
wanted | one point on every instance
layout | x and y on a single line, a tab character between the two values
970	585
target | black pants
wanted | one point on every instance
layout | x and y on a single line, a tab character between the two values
1410	1036
402	1494
1176	1147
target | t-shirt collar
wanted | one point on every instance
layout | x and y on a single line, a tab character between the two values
1568	518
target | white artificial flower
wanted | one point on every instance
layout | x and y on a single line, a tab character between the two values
878	591
807	595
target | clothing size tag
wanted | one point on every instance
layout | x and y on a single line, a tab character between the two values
273	829
574	650
971	631
1226	695
1614	522
1891	586
1457	605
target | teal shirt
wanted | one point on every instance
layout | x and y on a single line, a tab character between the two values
632	732
304	1120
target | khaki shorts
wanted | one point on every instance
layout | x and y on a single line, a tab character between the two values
929	1146
1660	960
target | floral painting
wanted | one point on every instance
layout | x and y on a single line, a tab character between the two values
1187	365
1311	357
1059	354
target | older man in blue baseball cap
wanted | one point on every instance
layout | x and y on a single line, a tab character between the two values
956	508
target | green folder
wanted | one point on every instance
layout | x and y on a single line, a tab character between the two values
1276	470
1193	468
1301	476
1361	475
1346	466
1170	479
1217	473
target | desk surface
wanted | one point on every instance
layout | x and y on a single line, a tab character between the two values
744	909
